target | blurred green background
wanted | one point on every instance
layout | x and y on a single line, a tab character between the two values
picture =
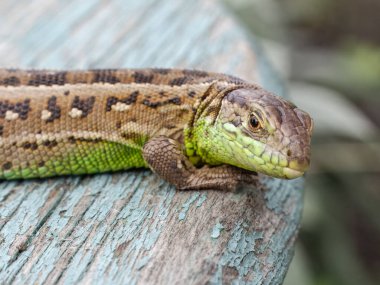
328	52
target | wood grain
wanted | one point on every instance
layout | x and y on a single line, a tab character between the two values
131	227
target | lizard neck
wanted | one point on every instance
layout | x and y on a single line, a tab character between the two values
197	131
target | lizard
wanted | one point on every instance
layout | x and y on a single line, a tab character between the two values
195	129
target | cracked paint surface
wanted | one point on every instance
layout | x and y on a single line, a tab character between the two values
186	206
216	230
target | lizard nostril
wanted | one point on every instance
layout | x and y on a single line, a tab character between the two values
289	152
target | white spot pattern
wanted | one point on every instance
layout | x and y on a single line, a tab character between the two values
120	107
45	115
75	113
9	115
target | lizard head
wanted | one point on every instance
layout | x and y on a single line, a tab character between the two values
261	132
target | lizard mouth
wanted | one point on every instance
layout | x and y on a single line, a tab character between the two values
291	173
295	169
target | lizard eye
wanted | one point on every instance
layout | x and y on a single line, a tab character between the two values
254	122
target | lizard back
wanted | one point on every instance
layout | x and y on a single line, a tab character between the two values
75	122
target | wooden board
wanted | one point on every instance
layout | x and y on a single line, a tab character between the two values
131	227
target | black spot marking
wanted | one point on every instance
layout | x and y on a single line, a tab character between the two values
148	103
71	139
111	101
33	146
195	73
50	144
179	81
289	152
54	109
66	93
26	145
175	100
1	130
21	108
7	165
48	79
131	99
74	140
10	81
118	124
161	70
105	76
191	94
41	164
85	105
142	78
89	140
131	135
162	94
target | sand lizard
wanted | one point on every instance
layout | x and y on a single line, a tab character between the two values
195	129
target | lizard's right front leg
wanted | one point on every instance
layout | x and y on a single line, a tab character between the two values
165	157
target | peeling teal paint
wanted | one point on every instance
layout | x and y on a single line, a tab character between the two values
279	190
186	206
128	228
103	226
240	254
201	200
216	230
142	262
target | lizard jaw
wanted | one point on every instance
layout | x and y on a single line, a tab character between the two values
290	173
296	168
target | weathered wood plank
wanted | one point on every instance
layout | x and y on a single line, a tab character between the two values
133	228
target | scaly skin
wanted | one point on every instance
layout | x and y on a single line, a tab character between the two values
197	130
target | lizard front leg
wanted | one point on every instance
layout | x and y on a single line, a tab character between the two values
165	157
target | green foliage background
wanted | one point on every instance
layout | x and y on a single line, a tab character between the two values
328	51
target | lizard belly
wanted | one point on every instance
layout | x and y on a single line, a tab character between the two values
82	157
